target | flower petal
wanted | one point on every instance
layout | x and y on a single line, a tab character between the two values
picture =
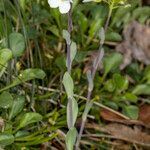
64	6
54	3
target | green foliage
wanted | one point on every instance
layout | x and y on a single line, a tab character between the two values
130	97
66	36
90	81
29	118
5	56
131	111
17	106
6	100
113	36
29	74
32	50
71	138
142	89
112	105
26	75
6	139
147	74
74	112
141	13
109	85
87	109
121	83
73	49
68	84
17	44
111	62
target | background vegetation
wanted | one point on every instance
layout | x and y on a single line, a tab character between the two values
32	64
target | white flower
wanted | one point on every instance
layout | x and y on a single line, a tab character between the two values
64	5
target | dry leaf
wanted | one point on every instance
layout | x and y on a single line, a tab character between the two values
144	117
128	134
123	132
144	114
110	116
136	44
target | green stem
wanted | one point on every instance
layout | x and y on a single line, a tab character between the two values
93	76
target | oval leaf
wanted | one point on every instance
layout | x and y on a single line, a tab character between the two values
111	62
131	111
102	36
121	82
26	75
6	100
17	106
142	89
6	139
5	56
29	74
88	106
74	112
71	138
113	36
90	80
73	50
29	118
17	44
66	36
109	85
130	97
68	84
